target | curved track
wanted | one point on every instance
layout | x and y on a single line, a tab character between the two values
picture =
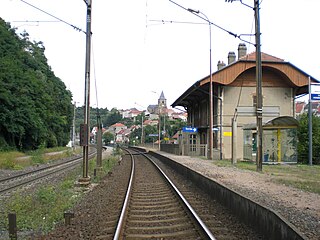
154	208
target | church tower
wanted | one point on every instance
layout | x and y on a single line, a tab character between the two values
162	101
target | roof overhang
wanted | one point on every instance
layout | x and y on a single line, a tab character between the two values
283	122
190	95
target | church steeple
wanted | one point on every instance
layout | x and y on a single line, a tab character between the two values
162	101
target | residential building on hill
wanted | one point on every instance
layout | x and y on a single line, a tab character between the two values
115	128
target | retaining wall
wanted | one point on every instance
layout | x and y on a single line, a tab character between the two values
264	220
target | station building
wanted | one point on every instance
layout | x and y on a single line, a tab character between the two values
234	100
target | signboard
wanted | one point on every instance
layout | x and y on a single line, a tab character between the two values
315	92
189	129
227	134
153	135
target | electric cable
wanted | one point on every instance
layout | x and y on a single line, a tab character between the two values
94	72
211	23
59	19
96	88
241	87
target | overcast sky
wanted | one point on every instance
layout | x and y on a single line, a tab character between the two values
143	47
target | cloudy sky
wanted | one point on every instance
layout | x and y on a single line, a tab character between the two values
143	47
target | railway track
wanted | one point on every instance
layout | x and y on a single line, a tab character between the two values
219	220
25	179
150	209
154	208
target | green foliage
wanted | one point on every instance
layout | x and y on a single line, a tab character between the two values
34	104
150	130
107	137
303	137
46	196
117	151
43	209
113	117
7	164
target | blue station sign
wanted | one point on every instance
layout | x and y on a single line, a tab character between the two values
190	129
315	92
153	135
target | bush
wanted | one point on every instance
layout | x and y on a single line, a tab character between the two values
303	137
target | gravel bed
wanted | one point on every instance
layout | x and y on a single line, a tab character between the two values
95	216
221	222
300	208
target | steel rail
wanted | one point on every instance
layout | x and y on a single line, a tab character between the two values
185	202
200	223
59	167
40	169
126	201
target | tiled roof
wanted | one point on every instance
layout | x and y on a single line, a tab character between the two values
118	125
264	57
176	135
300	106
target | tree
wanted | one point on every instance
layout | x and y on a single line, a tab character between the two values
150	130
35	106
113	117
107	138
303	138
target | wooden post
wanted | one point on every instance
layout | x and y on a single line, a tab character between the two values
12	226
234	140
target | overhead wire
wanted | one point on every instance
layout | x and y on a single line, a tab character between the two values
245	65
241	87
216	25
99	124
94	72
171	21
78	29
51	15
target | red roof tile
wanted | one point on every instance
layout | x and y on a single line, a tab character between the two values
264	57
300	106
118	125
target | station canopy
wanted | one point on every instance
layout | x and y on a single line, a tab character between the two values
276	123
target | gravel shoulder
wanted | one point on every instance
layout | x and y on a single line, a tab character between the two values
300	208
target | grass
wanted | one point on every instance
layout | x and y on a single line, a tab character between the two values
41	210
15	160
8	160
300	176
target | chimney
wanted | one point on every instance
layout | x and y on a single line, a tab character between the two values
231	57
220	65
242	50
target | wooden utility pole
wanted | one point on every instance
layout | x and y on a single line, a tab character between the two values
259	87
85	180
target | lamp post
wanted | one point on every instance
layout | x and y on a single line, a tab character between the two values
159	129
197	12
142	134
159	122
74	127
